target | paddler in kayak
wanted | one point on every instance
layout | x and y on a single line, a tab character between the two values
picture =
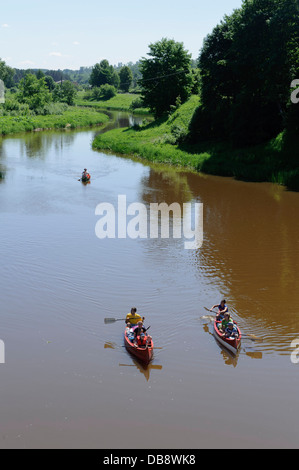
222	309
133	317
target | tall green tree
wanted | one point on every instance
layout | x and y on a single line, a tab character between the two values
247	64
103	73
166	75
125	77
65	92
34	92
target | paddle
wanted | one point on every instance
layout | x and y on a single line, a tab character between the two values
151	366
113	320
253	337
208	310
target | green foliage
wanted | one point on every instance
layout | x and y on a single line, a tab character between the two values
103	73
54	109
166	75
107	92
34	92
50	82
71	118
65	92
104	92
137	103
164	141
121	102
247	64
6	74
158	141
125	77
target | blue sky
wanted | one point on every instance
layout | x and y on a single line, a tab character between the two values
69	34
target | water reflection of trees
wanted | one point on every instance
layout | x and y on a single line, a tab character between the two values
2	157
39	144
162	184
165	185
2	174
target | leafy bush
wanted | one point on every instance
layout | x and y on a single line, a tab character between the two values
107	92
138	103
53	108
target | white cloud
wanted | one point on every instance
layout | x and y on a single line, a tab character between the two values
76	43
5	25
26	62
55	54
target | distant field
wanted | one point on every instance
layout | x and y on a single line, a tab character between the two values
121	102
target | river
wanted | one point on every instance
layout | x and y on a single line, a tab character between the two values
67	380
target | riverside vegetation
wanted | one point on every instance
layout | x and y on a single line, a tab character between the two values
166	141
241	121
229	114
71	118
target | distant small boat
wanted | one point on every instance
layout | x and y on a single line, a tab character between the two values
144	354
232	344
85	178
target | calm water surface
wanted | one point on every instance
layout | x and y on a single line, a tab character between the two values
67	380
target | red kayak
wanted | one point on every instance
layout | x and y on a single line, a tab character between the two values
232	344
143	353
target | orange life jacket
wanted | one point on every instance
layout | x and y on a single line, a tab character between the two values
141	340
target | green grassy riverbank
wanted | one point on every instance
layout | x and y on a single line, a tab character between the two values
165	141
73	117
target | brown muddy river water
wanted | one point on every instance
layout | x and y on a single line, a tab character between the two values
67	380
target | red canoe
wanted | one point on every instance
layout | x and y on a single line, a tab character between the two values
86	178
232	344
144	354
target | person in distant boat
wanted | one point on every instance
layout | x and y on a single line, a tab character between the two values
133	317
231	330
222	309
84	174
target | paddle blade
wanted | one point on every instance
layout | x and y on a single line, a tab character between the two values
113	320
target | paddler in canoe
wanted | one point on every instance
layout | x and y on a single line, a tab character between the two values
222	309
85	176
141	339
133	317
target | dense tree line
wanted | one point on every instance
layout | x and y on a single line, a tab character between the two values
247	65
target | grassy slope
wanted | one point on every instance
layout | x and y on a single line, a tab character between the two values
120	102
73	117
158	142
